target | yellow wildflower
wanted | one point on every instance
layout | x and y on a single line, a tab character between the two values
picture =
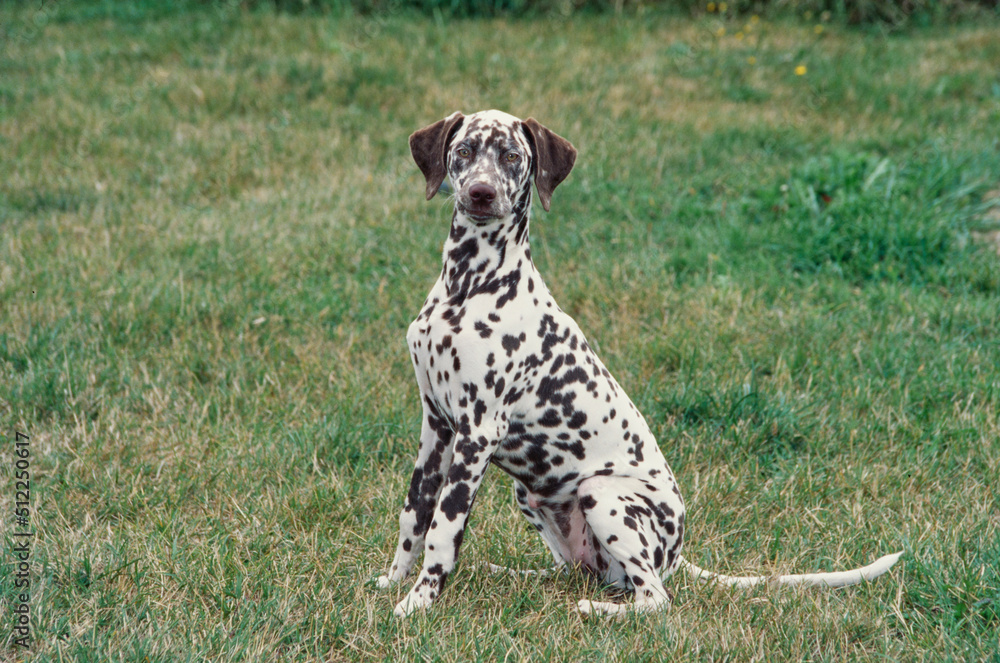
710	7
752	60
818	29
739	35
723	7
755	19
721	32
800	70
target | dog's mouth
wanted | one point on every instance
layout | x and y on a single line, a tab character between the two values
479	215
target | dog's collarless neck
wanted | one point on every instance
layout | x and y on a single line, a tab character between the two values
476	255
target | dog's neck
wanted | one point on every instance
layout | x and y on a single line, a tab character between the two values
480	256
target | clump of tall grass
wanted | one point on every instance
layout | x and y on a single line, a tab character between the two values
868	218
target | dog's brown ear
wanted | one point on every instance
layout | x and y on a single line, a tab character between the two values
429	149
554	158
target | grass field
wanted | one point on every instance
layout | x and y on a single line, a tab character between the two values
780	237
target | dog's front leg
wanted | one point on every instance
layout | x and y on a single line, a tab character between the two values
472	453
433	460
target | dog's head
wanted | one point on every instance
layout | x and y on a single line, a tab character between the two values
491	158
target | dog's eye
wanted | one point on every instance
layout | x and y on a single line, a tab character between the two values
513	156
464	152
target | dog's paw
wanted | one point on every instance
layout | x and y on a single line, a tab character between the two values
411	604
394	575
587	607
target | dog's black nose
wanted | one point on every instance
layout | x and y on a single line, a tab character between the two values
482	194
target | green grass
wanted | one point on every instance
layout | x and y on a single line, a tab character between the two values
213	238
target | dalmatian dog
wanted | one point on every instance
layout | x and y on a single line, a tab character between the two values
506	377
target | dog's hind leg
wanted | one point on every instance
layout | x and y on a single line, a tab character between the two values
637	528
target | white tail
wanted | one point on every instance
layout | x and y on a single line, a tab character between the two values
835	579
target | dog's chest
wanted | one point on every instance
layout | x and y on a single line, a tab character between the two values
470	351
